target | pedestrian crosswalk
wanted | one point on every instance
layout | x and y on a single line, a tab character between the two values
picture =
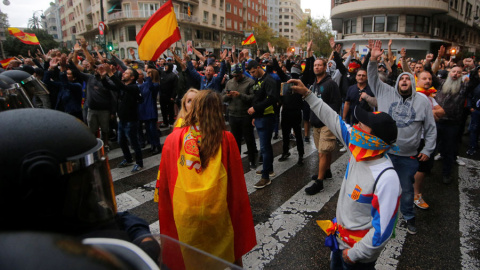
282	211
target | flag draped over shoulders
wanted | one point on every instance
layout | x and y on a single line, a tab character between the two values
207	208
158	33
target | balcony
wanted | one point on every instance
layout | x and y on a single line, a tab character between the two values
350	8
88	10
182	17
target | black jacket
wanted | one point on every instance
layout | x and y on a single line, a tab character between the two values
128	98
328	91
266	96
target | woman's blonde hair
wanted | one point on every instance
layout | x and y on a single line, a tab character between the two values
183	110
207	111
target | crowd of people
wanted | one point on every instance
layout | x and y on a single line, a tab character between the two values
376	104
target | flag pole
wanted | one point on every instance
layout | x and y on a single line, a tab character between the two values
41	48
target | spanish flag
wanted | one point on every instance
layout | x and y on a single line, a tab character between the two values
26	38
5	62
207	208
250	40
160	31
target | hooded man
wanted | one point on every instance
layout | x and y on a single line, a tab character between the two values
413	114
168	84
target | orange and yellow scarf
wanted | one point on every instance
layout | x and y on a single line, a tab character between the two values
364	145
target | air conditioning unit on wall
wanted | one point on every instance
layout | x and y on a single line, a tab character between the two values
436	31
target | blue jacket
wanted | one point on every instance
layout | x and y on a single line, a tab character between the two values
148	108
69	98
215	83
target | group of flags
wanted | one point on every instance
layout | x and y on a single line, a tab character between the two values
156	36
161	31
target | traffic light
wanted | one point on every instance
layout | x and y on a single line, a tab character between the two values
291	49
110	46
453	51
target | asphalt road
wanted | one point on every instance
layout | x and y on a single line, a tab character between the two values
285	217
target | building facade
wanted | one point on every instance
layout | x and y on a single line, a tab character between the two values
421	26
51	21
274	14
241	17
291	15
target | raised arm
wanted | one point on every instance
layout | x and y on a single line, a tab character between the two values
405	66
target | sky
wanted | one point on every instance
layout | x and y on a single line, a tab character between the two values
19	11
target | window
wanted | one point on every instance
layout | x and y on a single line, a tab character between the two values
127	11
113	32
286	30
240	12
229	23
216	36
379	24
214	19
419	24
286	23
229	7
199	34
147	9
208	35
235	10
214	3
205	16
350	26
131	33
367	24
280	16
235	25
222	20
221	4
392	23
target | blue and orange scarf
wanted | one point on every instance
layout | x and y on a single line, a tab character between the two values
364	145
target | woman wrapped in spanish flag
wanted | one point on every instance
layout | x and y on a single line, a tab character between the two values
202	195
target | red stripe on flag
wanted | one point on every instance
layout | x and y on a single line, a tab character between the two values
157	16
166	43
361	153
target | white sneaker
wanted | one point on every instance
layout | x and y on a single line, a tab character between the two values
343	150
438	157
460	162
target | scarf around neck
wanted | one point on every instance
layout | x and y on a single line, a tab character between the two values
364	145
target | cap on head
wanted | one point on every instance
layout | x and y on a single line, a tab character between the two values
237	69
382	124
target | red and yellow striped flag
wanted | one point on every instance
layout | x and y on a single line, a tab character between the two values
5	62
250	40
160	31
26	38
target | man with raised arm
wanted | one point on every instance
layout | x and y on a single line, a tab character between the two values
369	197
413	114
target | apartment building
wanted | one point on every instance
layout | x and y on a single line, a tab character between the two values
274	14
51	21
291	15
421	26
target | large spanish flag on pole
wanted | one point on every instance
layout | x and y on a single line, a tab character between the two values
160	31
250	40
26	38
207	208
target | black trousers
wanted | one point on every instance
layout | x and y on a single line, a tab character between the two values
242	127
168	113
292	120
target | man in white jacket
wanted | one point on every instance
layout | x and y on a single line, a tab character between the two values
370	194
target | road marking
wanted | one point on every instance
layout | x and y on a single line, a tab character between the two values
469	187
290	218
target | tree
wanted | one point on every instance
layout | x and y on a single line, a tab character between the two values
281	44
33	22
14	47
320	32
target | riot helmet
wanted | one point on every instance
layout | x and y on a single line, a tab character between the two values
30	84
54	174
12	95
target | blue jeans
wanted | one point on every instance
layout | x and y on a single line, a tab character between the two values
473	128
264	127
447	139
337	263
152	132
129	131
406	167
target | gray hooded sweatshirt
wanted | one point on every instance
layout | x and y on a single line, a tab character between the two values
411	114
